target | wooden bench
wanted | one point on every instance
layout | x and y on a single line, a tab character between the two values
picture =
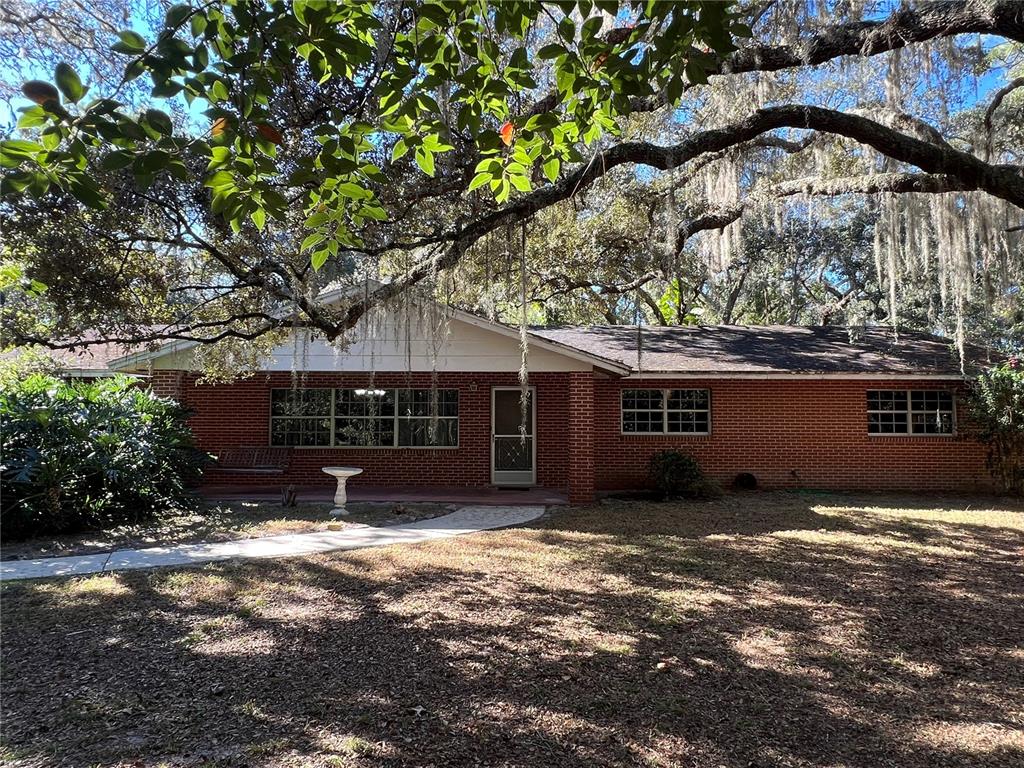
255	459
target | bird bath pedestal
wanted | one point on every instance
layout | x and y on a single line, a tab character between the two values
340	497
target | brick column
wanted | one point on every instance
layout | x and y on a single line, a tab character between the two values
581	437
166	383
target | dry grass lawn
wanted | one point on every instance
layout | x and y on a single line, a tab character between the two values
759	630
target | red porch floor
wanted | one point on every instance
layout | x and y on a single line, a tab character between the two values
407	493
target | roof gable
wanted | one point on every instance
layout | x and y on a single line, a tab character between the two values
430	338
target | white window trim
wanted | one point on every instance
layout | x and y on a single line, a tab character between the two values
910	413
665	410
334	446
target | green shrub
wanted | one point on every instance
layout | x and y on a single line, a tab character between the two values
997	413
90	454
676	475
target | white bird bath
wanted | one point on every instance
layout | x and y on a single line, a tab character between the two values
340	497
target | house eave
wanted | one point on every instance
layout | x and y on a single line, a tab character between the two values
795	375
137	359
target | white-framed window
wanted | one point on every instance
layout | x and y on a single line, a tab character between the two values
666	411
911	412
300	417
382	418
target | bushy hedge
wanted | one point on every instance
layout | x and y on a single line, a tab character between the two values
998	415
89	455
678	476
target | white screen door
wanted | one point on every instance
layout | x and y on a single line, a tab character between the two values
513	458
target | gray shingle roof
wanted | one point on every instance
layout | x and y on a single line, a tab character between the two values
92	359
765	349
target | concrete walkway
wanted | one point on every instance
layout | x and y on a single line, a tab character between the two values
463	520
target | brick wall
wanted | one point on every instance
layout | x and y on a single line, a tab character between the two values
167	383
581	438
238	414
810	434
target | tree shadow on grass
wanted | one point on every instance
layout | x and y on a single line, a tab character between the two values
795	637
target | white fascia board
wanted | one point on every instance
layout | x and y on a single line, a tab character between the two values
92	373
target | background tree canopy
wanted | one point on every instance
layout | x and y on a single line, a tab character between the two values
205	171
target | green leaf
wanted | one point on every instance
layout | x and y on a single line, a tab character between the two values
159	121
353	191
151	162
566	29
479	180
591	27
551	168
18	182
220	181
259	218
198	23
696	73
503	191
117	160
86	191
399	151
552	51
425	160
318	259
176	15
33	117
374	212
167	89
131	42
51	138
522	183
69	83
20	147
315	239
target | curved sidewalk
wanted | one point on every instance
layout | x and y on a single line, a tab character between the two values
461	521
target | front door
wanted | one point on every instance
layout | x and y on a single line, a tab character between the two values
513	454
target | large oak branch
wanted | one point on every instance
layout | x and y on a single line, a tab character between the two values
1006	182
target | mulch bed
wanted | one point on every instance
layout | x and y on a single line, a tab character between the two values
759	630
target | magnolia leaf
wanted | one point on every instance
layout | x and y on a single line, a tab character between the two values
69	83
270	133
131	42
159	121
32	117
176	15
198	24
40	92
116	160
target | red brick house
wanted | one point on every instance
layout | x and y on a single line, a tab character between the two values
827	408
